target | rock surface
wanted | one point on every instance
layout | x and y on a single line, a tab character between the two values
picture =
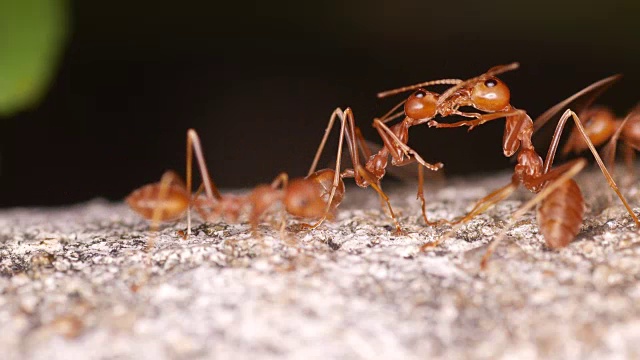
76	283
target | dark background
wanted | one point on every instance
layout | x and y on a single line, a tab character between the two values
259	81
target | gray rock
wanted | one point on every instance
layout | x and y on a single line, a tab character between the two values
76	283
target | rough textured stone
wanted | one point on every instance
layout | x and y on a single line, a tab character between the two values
76	283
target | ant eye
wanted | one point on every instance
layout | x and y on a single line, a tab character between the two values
420	94
490	83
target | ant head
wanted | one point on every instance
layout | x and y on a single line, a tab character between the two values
303	198
421	105
490	94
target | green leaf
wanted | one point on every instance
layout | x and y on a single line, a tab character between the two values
32	36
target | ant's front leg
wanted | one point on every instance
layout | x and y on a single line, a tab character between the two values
393	143
480	119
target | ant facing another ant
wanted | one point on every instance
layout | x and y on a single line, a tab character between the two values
559	199
422	107
561	208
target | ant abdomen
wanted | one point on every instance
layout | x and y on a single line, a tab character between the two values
325	178
560	215
170	206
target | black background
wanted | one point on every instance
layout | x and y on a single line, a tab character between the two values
259	81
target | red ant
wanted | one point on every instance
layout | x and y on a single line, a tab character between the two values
423	106
561	204
374	167
601	125
317	195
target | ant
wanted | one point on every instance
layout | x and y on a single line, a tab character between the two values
375	164
628	131
601	124
423	106
561	208
317	195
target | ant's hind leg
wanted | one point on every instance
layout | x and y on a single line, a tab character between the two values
557	177
347	114
554	144
481	206
193	145
336	113
282	179
168	178
391	142
420	196
365	174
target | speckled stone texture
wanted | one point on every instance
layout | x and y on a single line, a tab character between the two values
76	283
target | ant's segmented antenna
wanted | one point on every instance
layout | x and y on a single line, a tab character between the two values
415	86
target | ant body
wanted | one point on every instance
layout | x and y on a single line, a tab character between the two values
317	195
561	206
423	106
375	164
601	124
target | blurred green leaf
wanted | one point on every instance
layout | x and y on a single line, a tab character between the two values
32	36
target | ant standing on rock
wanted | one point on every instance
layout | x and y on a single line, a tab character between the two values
601	124
375	164
561	206
317	195
422	107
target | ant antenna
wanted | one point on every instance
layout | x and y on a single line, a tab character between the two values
601	85
496	70
413	87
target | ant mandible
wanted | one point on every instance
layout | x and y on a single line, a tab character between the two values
317	195
561	206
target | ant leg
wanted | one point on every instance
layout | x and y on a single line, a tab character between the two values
364	173
420	193
347	114
600	85
336	113
629	159
168	178
420	196
554	145
283	179
488	201
362	143
367	152
387	135
193	144
560	175
481	119
481	206
609	150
